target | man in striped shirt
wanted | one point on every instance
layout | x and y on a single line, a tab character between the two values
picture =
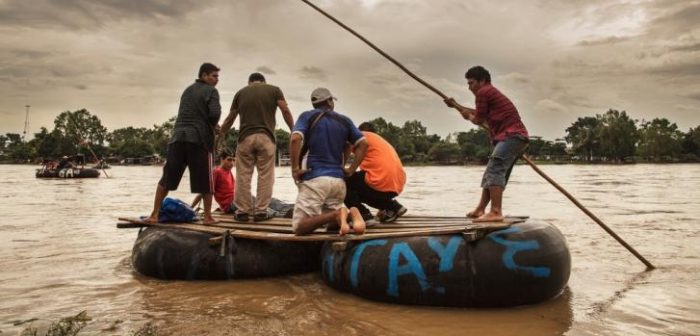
507	132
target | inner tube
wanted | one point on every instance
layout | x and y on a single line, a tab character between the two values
524	264
68	173
170	254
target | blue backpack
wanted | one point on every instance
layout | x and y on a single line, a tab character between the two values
175	210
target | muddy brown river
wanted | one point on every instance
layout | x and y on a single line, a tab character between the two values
61	253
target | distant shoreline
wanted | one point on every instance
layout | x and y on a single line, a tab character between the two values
467	164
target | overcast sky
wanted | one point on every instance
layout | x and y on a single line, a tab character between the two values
127	61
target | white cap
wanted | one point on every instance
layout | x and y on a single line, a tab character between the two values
321	94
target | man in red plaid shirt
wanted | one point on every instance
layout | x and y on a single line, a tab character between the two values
508	135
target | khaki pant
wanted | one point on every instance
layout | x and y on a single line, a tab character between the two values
318	196
255	151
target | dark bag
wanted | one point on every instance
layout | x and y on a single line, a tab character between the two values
175	210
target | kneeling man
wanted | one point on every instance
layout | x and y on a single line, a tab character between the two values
319	172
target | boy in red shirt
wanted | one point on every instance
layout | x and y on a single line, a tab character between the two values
224	183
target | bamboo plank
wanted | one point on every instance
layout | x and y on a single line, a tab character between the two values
423	221
385	228
352	237
135	222
288	230
241	230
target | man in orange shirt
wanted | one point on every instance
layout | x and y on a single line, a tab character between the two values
380	179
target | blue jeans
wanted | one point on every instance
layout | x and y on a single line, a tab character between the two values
502	160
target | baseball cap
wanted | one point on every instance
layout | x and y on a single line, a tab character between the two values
321	94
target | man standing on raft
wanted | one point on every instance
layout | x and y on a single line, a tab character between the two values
257	105
192	142
507	133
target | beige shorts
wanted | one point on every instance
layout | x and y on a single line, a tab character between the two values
317	196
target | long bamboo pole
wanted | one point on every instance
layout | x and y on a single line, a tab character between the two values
532	164
588	212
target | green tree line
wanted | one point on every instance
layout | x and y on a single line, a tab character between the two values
609	137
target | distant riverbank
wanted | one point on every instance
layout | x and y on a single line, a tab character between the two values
440	164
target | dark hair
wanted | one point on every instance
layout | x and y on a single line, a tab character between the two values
256	77
206	69
367	127
479	73
322	104
226	153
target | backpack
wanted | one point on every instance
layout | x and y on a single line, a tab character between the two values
175	210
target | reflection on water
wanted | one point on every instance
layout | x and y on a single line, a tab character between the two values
60	253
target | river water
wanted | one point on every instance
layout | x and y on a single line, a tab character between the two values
60	253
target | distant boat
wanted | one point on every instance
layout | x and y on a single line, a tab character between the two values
67	173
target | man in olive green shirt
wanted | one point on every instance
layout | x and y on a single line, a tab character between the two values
257	105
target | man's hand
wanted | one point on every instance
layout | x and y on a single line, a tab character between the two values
297	173
348	172
451	102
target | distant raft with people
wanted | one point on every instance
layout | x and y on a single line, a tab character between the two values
68	173
438	261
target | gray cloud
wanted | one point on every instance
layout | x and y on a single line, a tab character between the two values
683	68
516	78
603	41
87	14
313	73
695	47
266	70
128	61
385	79
694	96
675	17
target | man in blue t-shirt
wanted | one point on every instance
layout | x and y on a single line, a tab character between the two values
319	172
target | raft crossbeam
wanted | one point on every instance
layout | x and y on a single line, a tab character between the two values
280	229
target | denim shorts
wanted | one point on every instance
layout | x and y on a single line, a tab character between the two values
502	160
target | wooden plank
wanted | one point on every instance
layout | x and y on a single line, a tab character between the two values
254	231
270	222
352	237
437	219
428	224
136	222
256	227
389	228
410	222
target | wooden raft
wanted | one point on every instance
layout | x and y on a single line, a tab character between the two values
281	228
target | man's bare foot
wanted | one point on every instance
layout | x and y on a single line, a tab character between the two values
343	221
358	223
152	219
489	217
209	220
475	213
